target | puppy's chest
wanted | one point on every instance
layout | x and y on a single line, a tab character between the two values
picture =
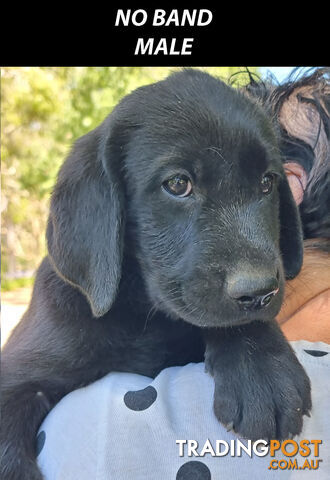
154	344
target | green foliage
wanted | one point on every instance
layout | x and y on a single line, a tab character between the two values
43	111
8	285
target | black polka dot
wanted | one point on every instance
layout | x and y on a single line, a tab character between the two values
316	353
193	471
140	399
40	442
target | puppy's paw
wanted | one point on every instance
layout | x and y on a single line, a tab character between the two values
265	402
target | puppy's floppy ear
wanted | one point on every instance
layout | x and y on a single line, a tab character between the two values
291	238
85	226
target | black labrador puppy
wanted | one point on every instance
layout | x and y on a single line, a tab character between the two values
171	231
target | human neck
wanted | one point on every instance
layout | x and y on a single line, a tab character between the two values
306	302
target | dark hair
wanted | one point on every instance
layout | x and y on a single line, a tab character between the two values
300	106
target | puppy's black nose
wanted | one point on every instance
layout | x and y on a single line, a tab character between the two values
247	302
252	293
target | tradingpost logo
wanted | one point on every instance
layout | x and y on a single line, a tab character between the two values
302	455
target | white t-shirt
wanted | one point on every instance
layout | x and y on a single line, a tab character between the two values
126	427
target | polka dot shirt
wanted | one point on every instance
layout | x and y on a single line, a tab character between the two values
125	427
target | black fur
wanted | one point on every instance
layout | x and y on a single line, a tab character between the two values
137	280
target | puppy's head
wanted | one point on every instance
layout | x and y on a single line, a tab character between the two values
191	167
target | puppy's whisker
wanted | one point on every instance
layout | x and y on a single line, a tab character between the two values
150	315
217	151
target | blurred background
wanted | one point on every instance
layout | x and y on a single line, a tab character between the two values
43	111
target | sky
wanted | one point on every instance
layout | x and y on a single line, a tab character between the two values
280	73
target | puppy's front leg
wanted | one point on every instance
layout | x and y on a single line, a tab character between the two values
261	389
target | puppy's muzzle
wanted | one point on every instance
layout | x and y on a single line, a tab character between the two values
252	293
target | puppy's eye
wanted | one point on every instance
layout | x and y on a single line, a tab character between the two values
180	186
267	182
